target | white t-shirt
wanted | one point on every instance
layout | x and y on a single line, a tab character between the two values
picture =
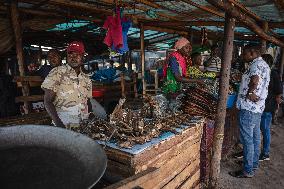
260	68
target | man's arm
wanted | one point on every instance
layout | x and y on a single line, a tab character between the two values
49	97
90	109
252	87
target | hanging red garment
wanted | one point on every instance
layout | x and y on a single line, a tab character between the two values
114	31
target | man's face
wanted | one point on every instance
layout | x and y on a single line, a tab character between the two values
247	55
198	60
185	51
74	59
54	59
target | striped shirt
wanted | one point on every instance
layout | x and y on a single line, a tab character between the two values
214	64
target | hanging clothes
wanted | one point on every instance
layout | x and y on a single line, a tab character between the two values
126	24
114	31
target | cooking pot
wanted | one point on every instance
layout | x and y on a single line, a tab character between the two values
33	156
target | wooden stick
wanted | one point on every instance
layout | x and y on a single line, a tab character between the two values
142	49
19	48
221	108
204	8
263	41
122	83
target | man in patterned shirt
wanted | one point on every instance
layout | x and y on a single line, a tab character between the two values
67	89
251	103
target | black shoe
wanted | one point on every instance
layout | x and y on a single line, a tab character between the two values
239	155
264	158
241	174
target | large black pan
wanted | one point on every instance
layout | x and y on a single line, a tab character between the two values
41	157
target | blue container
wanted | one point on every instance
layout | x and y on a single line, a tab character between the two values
231	100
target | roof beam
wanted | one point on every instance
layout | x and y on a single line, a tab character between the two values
246	11
135	6
204	8
39	4
167	30
158	6
250	13
246	20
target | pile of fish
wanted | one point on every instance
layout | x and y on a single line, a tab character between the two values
128	127
199	101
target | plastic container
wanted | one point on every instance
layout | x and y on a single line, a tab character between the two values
231	100
98	93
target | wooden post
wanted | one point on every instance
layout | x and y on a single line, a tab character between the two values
122	84
263	41
18	38
221	109
142	49
135	85
282	64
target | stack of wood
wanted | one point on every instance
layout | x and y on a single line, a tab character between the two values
199	102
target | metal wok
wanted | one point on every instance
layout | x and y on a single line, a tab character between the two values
42	157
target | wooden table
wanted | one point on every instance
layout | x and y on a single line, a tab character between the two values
40	118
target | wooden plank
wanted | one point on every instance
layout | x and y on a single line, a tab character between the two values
32	98
184	175
164	157
31	84
155	152
119	156
135	180
198	186
190	182
118	169
27	78
172	168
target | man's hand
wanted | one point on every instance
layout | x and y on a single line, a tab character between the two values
253	97
59	123
49	97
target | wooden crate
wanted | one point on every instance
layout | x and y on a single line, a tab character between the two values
172	163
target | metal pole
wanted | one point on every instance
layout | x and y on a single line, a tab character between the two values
223	91
142	49
263	41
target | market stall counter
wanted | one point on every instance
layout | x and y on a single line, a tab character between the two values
144	134
176	158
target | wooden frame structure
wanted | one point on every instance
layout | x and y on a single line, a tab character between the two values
171	21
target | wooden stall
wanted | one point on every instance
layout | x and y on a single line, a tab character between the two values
170	162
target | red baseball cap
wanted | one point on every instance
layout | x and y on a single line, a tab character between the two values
76	46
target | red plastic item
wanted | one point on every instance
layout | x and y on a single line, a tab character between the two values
97	93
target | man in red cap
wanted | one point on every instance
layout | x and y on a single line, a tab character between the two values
68	90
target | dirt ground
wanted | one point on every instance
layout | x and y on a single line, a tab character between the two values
270	175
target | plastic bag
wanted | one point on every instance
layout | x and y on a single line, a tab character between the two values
170	84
